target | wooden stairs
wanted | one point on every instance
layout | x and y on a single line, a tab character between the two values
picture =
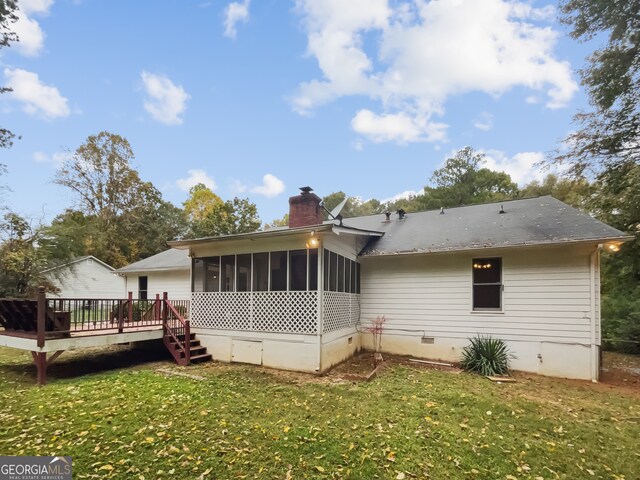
198	353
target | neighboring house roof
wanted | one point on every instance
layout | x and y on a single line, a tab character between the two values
77	260
171	259
530	221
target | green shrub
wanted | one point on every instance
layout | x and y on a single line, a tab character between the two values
487	356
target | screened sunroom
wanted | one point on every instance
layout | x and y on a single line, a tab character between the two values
279	297
275	291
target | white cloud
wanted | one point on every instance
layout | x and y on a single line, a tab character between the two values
271	186
401	195
398	127
195	177
484	122
36	98
31	36
420	53
167	102
56	160
522	167
234	13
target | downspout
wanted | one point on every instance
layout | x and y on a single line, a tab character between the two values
595	329
320	302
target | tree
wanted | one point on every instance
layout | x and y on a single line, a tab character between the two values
208	215
576	192
122	217
201	203
278	222
461	181
21	261
8	16
355	206
607	145
608	135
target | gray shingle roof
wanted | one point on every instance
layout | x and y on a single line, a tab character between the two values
172	259
531	221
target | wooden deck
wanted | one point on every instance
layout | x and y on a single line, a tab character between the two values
53	325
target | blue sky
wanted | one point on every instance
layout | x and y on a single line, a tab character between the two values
257	98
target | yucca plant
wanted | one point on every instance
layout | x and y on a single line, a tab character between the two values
487	356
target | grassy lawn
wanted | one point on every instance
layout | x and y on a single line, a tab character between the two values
132	421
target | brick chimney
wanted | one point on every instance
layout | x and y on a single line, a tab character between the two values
304	209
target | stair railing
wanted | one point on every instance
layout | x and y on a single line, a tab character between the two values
174	327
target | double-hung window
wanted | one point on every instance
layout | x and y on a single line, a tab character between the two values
487	284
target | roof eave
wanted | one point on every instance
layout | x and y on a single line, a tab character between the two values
622	239
184	244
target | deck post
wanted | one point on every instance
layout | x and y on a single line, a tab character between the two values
165	309
40	359
157	308
42	315
130	309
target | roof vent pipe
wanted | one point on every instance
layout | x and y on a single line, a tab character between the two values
502	209
441	210
401	213
387	216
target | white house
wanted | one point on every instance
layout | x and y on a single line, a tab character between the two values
86	277
168	271
297	298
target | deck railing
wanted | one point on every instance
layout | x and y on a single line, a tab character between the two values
59	317
84	315
176	331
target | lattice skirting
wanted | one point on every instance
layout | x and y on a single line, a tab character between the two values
281	312
340	310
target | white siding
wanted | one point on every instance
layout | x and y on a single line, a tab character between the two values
177	283
88	279
547	299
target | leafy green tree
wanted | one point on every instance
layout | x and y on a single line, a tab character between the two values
121	217
355	206
576	192
606	145
278	222
608	134
201	203
21	261
8	16
208	215
461	181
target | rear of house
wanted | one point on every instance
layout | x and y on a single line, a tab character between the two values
300	298
86	277
168	271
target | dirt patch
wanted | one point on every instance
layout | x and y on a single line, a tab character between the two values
621	370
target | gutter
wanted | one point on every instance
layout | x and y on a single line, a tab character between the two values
599	240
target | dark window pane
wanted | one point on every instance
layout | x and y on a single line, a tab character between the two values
212	274
353	277
313	269
333	271
228	273
357	278
197	284
326	269
278	271
487	270
244	273
260	272
487	296
298	270
347	275
142	288
341	260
